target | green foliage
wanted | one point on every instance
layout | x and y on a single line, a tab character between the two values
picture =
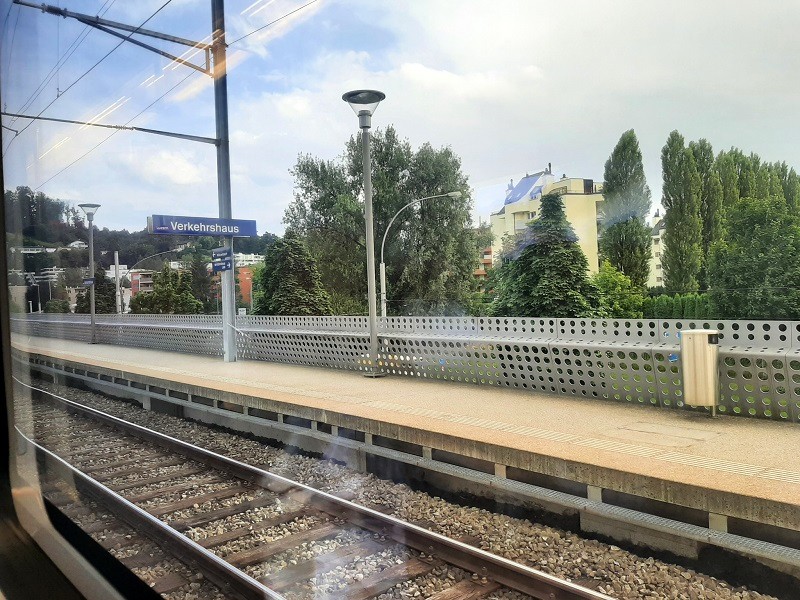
625	239
689	306
57	306
619	298
729	178
430	249
703	307
710	201
172	294
289	282
681	258
105	296
546	273
755	268
647	307
677	306
662	307
197	265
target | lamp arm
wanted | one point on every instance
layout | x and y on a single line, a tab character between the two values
412	203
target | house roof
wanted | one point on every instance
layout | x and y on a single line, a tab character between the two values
658	227
528	187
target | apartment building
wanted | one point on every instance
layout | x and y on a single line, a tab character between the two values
581	197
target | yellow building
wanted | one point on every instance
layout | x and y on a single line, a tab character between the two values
581	199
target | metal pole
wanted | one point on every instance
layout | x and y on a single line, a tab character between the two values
383	286
365	121
116	277
386	232
39	296
223	172
91	275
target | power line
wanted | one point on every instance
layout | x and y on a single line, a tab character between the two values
11	45
101	142
184	136
272	22
70	86
62	60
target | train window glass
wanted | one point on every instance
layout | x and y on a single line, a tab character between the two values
310	298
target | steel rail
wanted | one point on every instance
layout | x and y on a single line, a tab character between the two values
502	570
228	578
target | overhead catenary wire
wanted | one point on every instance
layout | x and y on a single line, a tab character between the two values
289	14
13	36
94	66
61	61
115	132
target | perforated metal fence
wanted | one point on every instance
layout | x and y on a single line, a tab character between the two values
632	361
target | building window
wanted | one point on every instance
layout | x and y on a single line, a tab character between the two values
658	254
655	240
658	278
658	267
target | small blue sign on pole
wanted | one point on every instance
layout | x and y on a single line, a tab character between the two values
182	225
221	259
88	282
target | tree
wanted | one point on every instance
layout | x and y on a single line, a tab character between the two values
619	298
755	268
625	239
690	306
647	307
289	282
792	192
683	229
677	306
429	254
662	307
545	275
105	296
172	294
710	202
729	179
201	279
57	306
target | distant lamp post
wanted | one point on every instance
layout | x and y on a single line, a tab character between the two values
383	242
364	103
89	210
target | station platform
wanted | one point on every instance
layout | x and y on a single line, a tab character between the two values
738	474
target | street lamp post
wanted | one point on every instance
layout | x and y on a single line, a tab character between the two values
364	103
89	210
383	242
38	296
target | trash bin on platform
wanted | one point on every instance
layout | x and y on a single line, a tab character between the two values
699	359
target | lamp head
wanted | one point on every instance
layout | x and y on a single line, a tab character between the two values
454	194
363	100
89	209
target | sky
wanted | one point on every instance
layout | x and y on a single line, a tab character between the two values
510	86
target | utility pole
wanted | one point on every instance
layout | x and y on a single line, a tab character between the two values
214	54
116	278
223	172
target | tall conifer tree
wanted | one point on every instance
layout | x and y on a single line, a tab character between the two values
710	202
546	274
625	241
683	227
289	283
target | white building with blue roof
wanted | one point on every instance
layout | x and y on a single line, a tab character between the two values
523	201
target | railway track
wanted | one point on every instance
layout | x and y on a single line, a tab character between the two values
255	534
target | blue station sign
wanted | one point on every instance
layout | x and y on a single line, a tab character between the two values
174	225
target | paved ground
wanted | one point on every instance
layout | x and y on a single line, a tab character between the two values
734	454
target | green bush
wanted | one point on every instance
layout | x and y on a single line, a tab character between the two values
677	307
57	306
